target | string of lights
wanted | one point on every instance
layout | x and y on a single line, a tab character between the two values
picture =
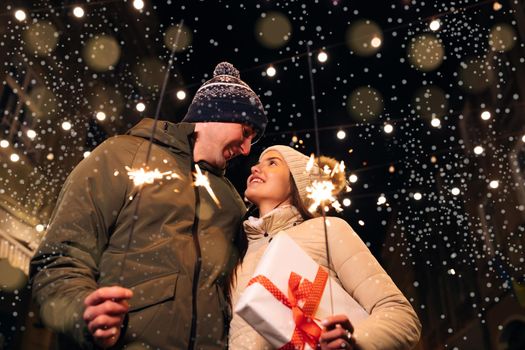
322	57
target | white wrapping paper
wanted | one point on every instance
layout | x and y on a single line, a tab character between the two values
267	315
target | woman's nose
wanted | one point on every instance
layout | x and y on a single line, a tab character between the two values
255	169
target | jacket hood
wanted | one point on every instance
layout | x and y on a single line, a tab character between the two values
167	133
176	136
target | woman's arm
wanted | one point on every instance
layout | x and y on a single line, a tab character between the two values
393	323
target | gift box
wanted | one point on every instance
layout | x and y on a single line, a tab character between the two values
289	294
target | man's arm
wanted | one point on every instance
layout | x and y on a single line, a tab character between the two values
64	269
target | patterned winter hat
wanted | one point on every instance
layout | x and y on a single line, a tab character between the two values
226	98
296	162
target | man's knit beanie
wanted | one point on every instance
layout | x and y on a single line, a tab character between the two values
226	98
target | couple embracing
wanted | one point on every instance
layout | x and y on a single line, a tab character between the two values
161	266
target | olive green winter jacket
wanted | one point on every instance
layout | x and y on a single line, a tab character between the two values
180	246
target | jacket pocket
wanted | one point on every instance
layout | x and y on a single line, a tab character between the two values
154	291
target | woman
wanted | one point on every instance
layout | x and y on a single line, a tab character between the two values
277	186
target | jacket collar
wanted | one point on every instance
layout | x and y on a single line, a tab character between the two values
280	218
179	137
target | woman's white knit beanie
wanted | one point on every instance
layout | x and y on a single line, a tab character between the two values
296	162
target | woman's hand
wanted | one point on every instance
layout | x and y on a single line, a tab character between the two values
337	333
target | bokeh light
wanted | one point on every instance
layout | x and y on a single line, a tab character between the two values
20	15
41	38
430	102
150	74
31	134
365	103
11	278
66	125
502	37
105	99
181	95
184	38
78	12
376	42
475	75
322	57
478	150
141	107
271	71
273	29
434	25
138	4
425	52
364	37
101	116
101	53
42	103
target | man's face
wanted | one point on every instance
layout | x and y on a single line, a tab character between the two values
226	141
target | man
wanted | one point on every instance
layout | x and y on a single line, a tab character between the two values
145	266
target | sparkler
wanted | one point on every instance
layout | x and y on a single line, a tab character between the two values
321	192
323	189
326	184
141	176
201	179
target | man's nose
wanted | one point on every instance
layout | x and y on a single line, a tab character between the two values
246	146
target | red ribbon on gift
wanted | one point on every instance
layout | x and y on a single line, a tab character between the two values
303	298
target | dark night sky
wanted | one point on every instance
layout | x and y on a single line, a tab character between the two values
226	30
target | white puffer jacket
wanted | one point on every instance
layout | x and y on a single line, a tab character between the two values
392	324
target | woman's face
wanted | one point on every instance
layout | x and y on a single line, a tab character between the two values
269	183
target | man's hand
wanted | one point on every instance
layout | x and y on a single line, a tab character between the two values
337	333
105	310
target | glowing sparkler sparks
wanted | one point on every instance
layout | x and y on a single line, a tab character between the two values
339	167
202	180
326	184
321	192
310	163
141	176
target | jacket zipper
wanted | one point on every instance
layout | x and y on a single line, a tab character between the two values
196	270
